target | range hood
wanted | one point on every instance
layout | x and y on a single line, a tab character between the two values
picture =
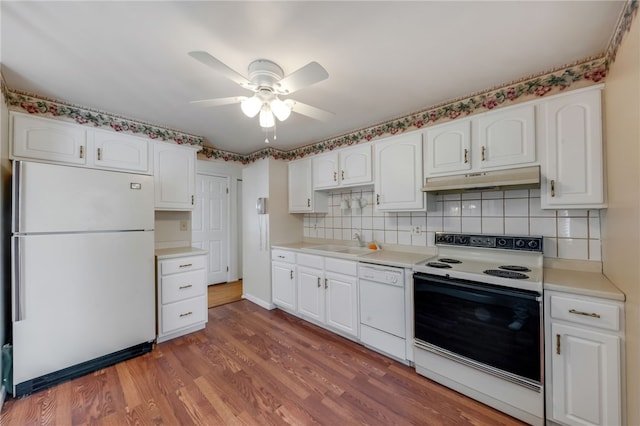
520	178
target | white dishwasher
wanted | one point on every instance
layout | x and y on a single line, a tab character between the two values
382	309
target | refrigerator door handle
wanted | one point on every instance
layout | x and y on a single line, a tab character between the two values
16	195
18	283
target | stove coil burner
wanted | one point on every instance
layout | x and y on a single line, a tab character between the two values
438	265
506	274
515	268
448	260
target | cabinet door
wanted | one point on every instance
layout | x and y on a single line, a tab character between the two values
325	171
311	293
119	151
50	140
300	186
398	176
586	376
283	281
572	170
506	138
448	148
355	165
174	177
342	303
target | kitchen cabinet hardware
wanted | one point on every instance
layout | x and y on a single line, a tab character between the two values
308	202
281	256
558	344
182	287
193	200
99	154
186	314
342	176
466	155
186	265
81	151
592	314
335	176
291	276
553	188
326	283
483	153
378	199
318	282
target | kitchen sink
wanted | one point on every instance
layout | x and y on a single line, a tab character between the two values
337	248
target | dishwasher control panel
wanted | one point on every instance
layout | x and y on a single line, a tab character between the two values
381	274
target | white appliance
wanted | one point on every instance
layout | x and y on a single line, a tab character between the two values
382	309
83	287
478	320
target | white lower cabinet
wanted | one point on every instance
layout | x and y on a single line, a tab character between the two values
326	288
584	360
283	279
182	296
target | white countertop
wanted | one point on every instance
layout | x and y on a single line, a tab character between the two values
169	253
399	259
585	283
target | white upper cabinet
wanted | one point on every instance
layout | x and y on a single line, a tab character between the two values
448	148
499	139
572	164
345	167
119	151
174	177
506	138
302	197
398	173
49	140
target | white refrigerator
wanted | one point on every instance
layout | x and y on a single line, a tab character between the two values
83	271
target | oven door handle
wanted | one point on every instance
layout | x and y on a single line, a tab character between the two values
450	286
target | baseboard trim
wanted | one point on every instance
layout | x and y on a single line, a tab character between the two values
259	302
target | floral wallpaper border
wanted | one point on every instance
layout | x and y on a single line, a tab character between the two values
42	106
587	72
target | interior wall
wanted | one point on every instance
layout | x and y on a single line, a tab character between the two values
167	232
5	232
621	221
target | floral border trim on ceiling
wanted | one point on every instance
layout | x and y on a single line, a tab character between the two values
628	14
35	105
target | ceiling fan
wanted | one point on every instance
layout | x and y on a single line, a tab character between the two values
268	82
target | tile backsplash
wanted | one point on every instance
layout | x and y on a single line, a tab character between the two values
568	234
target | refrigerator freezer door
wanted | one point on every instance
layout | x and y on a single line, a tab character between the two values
82	296
53	198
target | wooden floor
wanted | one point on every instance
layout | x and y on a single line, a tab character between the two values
220	294
251	366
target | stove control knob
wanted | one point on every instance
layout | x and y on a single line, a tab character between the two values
533	244
502	242
519	243
463	240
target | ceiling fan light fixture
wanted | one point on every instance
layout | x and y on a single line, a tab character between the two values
251	106
280	109
266	118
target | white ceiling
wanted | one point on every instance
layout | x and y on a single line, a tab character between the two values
385	59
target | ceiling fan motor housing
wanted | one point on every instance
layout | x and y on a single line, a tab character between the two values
264	73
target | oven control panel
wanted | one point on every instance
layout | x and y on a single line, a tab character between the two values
505	242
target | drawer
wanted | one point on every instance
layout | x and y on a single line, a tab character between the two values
183	314
183	286
341	266
593	313
310	260
283	256
181	264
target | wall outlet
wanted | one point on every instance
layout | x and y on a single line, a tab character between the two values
416	230
184	225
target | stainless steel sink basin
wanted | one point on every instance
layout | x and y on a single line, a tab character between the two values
337	248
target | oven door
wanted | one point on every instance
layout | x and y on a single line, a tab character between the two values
494	328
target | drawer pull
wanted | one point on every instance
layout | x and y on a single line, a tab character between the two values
182	287
558	344
335	176
186	265
586	314
553	188
466	155
280	256
186	314
326	284
291	274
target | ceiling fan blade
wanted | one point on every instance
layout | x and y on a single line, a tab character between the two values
220	67
219	101
309	111
309	74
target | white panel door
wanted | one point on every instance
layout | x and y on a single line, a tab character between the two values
311	293
448	148
210	225
342	302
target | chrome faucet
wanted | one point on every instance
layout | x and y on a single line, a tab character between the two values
357	236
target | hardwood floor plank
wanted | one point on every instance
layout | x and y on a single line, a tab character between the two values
251	366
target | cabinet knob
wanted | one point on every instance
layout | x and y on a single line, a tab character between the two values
553	188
